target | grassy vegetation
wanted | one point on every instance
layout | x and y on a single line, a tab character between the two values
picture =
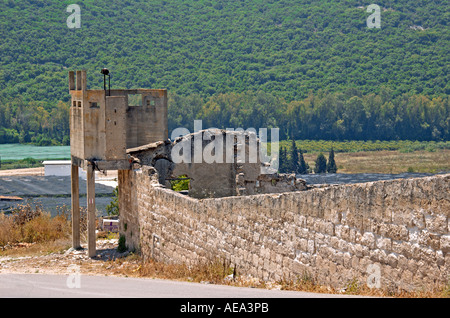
379	156
20	164
389	161
28	224
180	184
403	146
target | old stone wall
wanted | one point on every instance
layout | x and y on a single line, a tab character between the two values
391	234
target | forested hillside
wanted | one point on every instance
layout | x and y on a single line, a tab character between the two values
312	68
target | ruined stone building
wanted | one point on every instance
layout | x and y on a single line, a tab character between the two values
387	234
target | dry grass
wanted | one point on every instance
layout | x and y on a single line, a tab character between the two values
27	225
220	272
214	272
36	249
389	161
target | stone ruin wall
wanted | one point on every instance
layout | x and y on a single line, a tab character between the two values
234	174
335	234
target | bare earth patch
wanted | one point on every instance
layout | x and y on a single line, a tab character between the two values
23	172
389	161
61	262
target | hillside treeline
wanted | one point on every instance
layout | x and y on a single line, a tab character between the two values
329	116
326	116
321	116
34	122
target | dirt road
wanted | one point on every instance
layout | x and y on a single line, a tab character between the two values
23	172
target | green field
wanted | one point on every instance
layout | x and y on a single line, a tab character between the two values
378	156
18	156
13	152
403	146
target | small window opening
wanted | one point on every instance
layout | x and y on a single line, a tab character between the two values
134	100
180	184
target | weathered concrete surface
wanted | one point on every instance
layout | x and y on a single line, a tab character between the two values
103	126
335	235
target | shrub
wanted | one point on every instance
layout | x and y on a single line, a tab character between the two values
304	167
113	207
28	224
7	230
321	164
45	228
181	184
24	213
295	163
121	247
331	166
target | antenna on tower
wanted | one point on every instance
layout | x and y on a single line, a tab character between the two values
105	73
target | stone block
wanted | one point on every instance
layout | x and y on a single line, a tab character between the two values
437	223
399	232
368	239
303	245
311	247
445	244
384	243
392	260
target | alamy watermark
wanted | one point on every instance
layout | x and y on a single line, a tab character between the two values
74	20
74	278
374	20
374	278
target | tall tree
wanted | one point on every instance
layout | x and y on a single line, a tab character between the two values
321	164
282	160
295	164
331	165
304	167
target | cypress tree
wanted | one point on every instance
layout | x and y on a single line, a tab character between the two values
304	167
331	166
295	164
321	164
282	160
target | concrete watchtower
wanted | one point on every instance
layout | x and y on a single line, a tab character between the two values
103	125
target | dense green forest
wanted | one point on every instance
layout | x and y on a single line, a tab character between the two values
312	68
329	116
